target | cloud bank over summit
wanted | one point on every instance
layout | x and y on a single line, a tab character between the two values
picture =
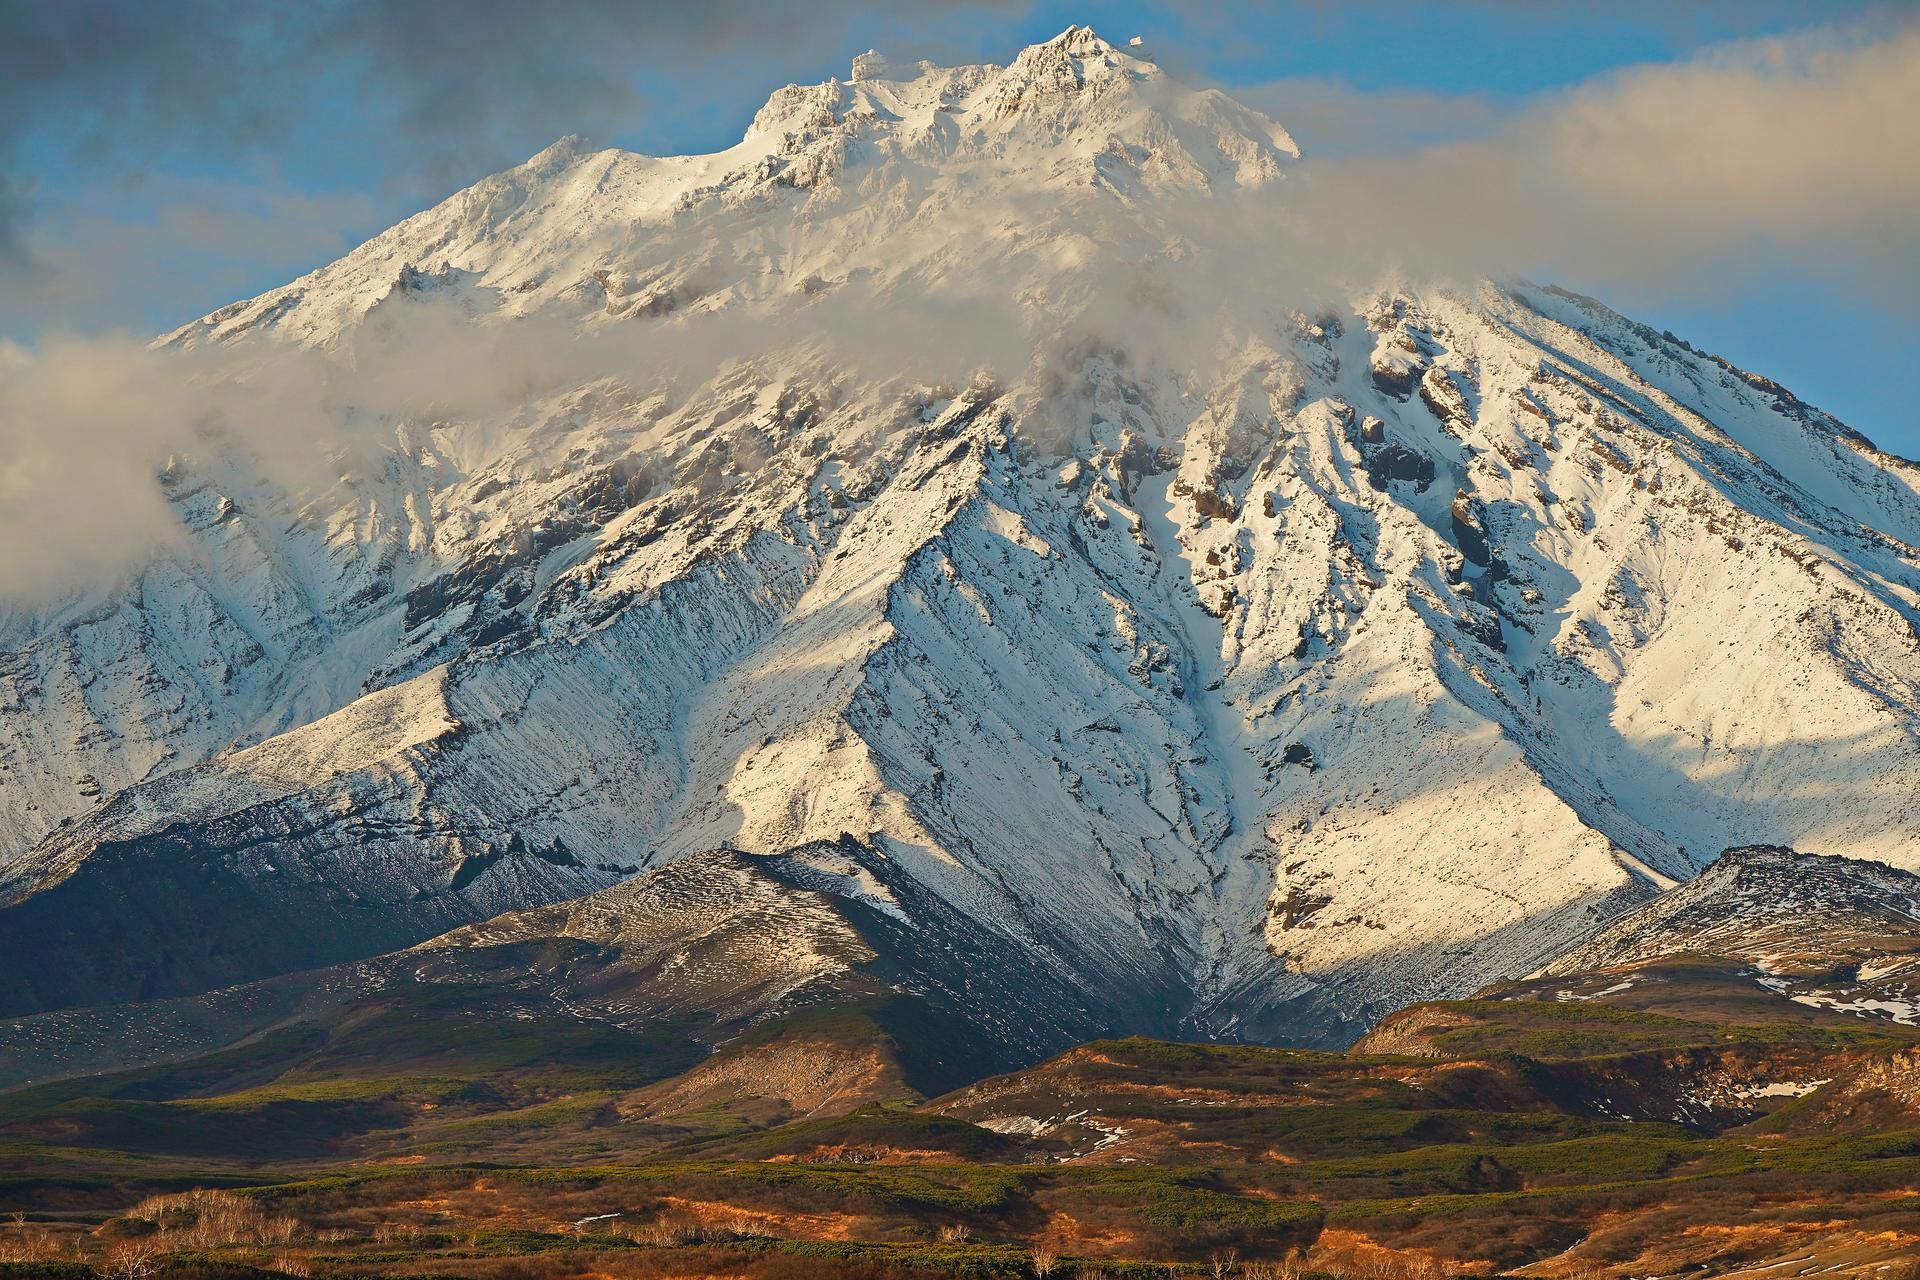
1653	181
1657	180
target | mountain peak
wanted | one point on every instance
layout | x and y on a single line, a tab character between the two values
1079	50
557	155
1072	72
1080	41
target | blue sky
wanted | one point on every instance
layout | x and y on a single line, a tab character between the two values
162	161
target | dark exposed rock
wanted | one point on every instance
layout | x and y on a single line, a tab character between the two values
1397	462
1497	572
1248	438
505	624
557	853
1214	505
1469	531
1298	753
624	484
1394	380
507	566
1442	395
475	576
1483	624
1297	909
471	867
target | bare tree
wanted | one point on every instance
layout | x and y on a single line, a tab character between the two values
132	1260
204	1219
23	1242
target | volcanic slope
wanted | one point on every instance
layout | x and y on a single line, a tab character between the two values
961	464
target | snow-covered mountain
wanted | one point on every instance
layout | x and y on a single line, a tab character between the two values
965	464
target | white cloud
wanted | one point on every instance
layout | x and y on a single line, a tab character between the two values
1668	177
1330	117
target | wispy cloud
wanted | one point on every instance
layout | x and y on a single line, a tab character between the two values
1333	118
1790	151
186	247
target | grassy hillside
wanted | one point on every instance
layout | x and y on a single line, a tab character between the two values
1526	1129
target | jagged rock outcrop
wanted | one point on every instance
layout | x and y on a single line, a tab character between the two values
1828	933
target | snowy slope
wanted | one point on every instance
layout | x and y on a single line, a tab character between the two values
1830	933
1293	661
